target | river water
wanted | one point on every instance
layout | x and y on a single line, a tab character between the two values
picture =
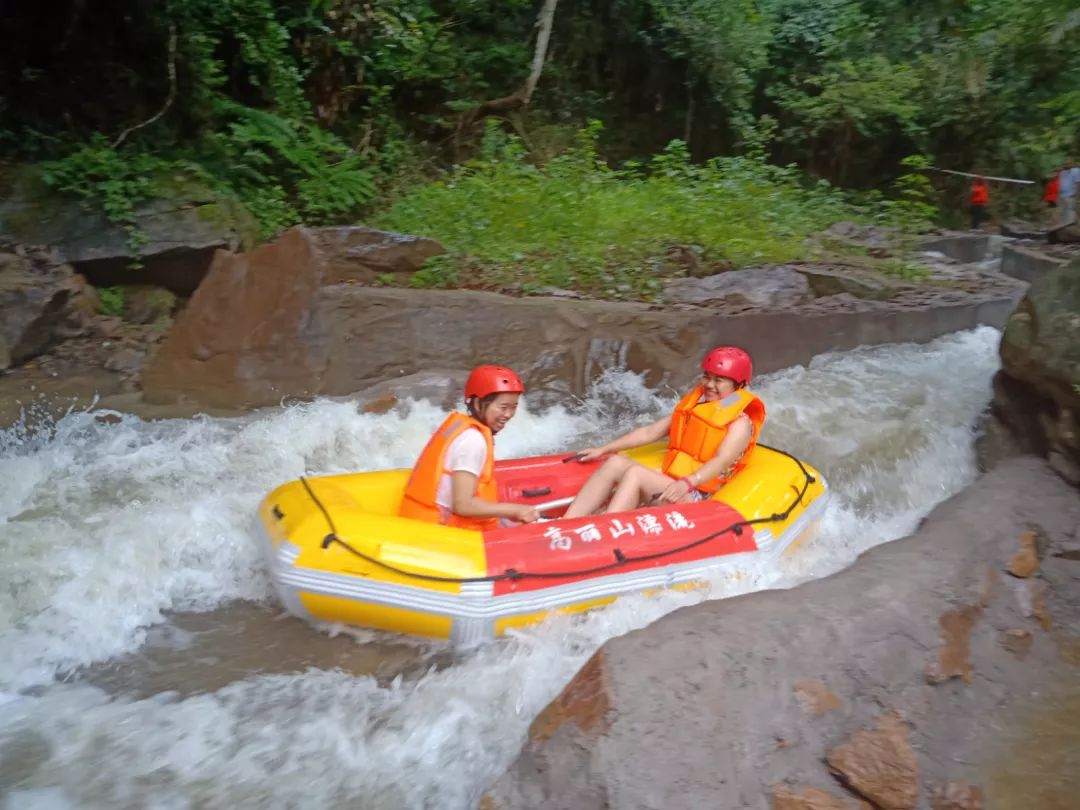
143	662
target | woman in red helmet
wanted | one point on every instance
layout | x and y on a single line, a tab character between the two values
710	434
453	482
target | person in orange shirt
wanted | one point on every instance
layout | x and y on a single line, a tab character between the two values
980	198
453	482
1050	198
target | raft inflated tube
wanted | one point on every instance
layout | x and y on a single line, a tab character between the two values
391	573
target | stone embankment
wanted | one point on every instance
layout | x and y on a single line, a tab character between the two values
283	321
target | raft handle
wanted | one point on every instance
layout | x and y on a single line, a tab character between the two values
535	493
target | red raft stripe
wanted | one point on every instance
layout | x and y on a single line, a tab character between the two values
589	542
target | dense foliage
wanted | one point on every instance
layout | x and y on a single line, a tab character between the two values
576	223
321	110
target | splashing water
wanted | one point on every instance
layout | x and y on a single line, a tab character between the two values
108	527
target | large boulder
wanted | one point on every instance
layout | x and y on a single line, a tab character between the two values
1037	391
275	323
359	253
938	670
826	281
247	337
177	232
759	287
39	303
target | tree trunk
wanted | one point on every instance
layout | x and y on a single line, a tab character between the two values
523	95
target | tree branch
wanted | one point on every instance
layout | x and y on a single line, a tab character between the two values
544	21
168	101
523	95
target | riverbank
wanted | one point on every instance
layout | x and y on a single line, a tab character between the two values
941	665
303	317
139	673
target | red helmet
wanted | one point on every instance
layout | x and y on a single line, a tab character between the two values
731	362
485	380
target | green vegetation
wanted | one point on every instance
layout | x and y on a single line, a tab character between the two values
327	111
112	300
576	223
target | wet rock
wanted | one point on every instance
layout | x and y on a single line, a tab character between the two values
1064	234
273	324
954	650
816	698
1036	604
243	338
808	798
1068	649
178	233
700	709
1023	230
764	288
1025	562
585	703
1017	641
1037	391
126	361
38	308
874	240
146	305
379	405
879	764
956	796
359	253
826	281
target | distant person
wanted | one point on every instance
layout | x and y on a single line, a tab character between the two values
980	198
711	435
1050	196
1068	182
453	482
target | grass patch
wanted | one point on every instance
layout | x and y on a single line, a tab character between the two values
575	223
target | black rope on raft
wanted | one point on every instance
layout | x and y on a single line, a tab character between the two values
620	560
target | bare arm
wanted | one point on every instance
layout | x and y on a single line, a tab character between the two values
734	445
637	437
466	504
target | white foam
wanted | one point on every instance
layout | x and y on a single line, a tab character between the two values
126	520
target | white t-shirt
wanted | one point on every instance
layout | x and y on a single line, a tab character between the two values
467	453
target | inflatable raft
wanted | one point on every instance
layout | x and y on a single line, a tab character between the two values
338	552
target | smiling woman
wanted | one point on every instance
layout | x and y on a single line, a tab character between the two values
712	433
453	482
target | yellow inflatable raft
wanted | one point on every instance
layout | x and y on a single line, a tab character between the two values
338	552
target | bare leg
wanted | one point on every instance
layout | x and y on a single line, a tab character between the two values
638	484
597	489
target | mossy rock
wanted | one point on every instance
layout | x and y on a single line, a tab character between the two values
186	216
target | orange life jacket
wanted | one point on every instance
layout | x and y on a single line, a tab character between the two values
980	195
698	428
418	501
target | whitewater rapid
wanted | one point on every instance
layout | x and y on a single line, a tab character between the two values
109	527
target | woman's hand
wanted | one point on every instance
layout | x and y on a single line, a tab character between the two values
523	513
592	453
676	492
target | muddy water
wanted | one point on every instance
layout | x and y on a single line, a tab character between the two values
144	664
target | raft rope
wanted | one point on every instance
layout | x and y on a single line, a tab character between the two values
619	561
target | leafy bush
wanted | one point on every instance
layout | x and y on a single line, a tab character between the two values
112	300
577	223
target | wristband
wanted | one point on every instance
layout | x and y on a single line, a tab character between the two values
686	480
